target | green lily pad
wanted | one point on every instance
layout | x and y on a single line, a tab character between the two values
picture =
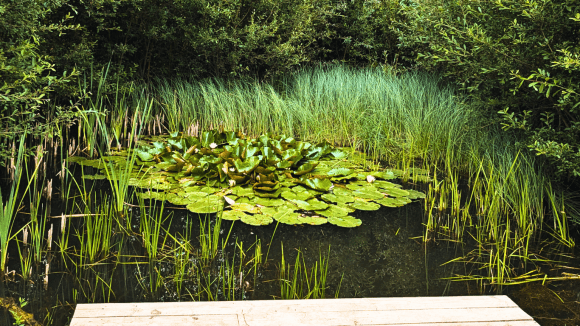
210	204
270	211
317	184
286	215
333	211
152	195
338	198
368	194
291	195
177	200
342	191
243	207
390	202
340	172
386	184
394	192
414	194
345	222
310	205
364	205
243	191
195	195
312	220
269	201
257	219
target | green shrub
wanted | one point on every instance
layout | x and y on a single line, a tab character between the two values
513	56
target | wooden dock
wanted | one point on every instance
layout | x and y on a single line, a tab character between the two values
443	311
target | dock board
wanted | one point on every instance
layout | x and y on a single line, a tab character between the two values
493	310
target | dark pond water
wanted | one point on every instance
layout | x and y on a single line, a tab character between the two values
384	257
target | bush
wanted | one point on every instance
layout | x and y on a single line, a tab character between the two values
513	56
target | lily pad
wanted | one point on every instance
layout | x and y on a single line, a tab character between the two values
333	211
338	198
211	204
390	202
311	204
291	195
312	220
364	205
243	207
317	184
345	222
368	194
394	192
257	219
269	201
414	194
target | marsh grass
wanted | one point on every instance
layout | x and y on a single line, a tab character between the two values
407	121
300	282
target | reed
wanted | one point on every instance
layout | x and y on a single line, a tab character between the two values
300	282
8	209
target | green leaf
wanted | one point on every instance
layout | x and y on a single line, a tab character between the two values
317	184
345	222
248	165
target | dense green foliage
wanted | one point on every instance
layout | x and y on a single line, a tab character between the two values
515	57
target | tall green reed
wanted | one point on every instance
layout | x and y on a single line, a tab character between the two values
8	210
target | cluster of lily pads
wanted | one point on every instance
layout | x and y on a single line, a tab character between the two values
257	180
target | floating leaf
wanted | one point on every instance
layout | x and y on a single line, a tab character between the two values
339	172
364	205
317	184
291	195
305	168
345	222
257	219
414	194
338	198
312	220
333	211
269	201
310	205
390	202
233	215
394	192
211	204
368	194
243	207
286	215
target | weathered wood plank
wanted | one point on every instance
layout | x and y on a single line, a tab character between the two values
217	320
443	311
395	317
392	317
268	306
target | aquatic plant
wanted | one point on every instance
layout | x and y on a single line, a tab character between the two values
8	209
261	179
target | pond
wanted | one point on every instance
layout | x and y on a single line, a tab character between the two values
384	257
78	247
